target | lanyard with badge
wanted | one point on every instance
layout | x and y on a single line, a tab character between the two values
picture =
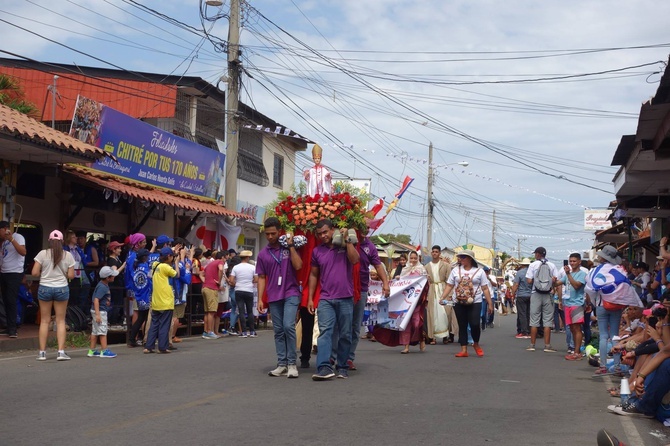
278	263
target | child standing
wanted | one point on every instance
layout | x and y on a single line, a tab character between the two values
102	303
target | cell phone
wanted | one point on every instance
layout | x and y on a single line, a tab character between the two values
565	263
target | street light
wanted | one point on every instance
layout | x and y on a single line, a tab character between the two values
214	3
429	224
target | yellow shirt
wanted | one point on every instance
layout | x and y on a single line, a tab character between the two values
162	297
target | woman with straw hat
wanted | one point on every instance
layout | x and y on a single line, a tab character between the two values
471	286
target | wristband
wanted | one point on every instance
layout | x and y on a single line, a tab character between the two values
660	340
292	245
665	325
641	375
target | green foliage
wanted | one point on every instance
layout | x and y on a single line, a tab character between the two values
72	340
388	238
12	95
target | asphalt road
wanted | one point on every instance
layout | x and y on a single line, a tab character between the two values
214	392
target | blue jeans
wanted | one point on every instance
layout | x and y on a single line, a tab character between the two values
356	321
332	313
283	314
656	385
608	326
49	293
233	308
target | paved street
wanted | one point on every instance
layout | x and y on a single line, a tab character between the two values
218	392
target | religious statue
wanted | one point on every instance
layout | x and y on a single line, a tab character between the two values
318	178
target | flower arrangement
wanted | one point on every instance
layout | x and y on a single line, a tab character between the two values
300	211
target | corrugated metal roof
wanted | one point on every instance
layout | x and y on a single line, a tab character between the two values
149	193
26	129
139	99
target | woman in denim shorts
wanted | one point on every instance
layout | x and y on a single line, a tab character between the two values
55	267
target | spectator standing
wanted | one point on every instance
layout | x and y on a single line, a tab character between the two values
276	269
332	267
142	287
212	277
574	304
54	267
162	301
101	304
541	304
117	286
242	278
232	260
11	274
522	290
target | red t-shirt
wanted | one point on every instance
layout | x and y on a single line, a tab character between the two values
212	274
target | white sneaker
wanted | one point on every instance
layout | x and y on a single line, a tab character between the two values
42	356
292	371
279	371
62	357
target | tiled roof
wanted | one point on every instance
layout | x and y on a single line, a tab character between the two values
149	193
23	127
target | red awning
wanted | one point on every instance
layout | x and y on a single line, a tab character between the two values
149	193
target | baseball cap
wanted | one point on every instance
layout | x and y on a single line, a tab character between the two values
232	251
56	235
540	250
166	251
113	245
142	252
163	239
107	271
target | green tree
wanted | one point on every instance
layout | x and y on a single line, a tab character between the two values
12	95
382	239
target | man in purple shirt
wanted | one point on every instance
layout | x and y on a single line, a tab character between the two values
368	256
336	303
276	268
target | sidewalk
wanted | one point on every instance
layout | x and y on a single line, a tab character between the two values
27	340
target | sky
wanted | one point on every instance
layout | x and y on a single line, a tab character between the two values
534	96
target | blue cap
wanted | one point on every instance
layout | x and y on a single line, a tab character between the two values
167	251
163	239
142	252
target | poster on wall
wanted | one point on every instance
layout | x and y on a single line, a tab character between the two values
147	154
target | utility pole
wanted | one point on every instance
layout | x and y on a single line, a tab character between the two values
429	224
53	102
493	242
232	105
518	247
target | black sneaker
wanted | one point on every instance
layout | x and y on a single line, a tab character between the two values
628	409
13	335
324	374
304	364
4	332
342	374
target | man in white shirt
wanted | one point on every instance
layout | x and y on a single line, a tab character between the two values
541	303
11	273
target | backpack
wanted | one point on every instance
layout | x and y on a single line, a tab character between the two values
543	281
465	290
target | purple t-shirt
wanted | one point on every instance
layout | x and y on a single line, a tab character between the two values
335	272
369	256
274	263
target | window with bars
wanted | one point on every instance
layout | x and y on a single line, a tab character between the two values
278	172
250	159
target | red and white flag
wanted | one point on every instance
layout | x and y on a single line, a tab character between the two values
226	235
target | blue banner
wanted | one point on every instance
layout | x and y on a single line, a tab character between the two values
148	154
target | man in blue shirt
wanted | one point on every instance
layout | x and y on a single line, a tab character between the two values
573	306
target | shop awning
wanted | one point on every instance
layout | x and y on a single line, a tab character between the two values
148	193
22	138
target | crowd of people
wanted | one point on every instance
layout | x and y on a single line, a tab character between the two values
628	303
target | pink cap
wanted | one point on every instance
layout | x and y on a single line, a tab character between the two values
56	235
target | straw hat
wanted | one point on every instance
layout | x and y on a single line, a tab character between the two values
246	253
469	253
